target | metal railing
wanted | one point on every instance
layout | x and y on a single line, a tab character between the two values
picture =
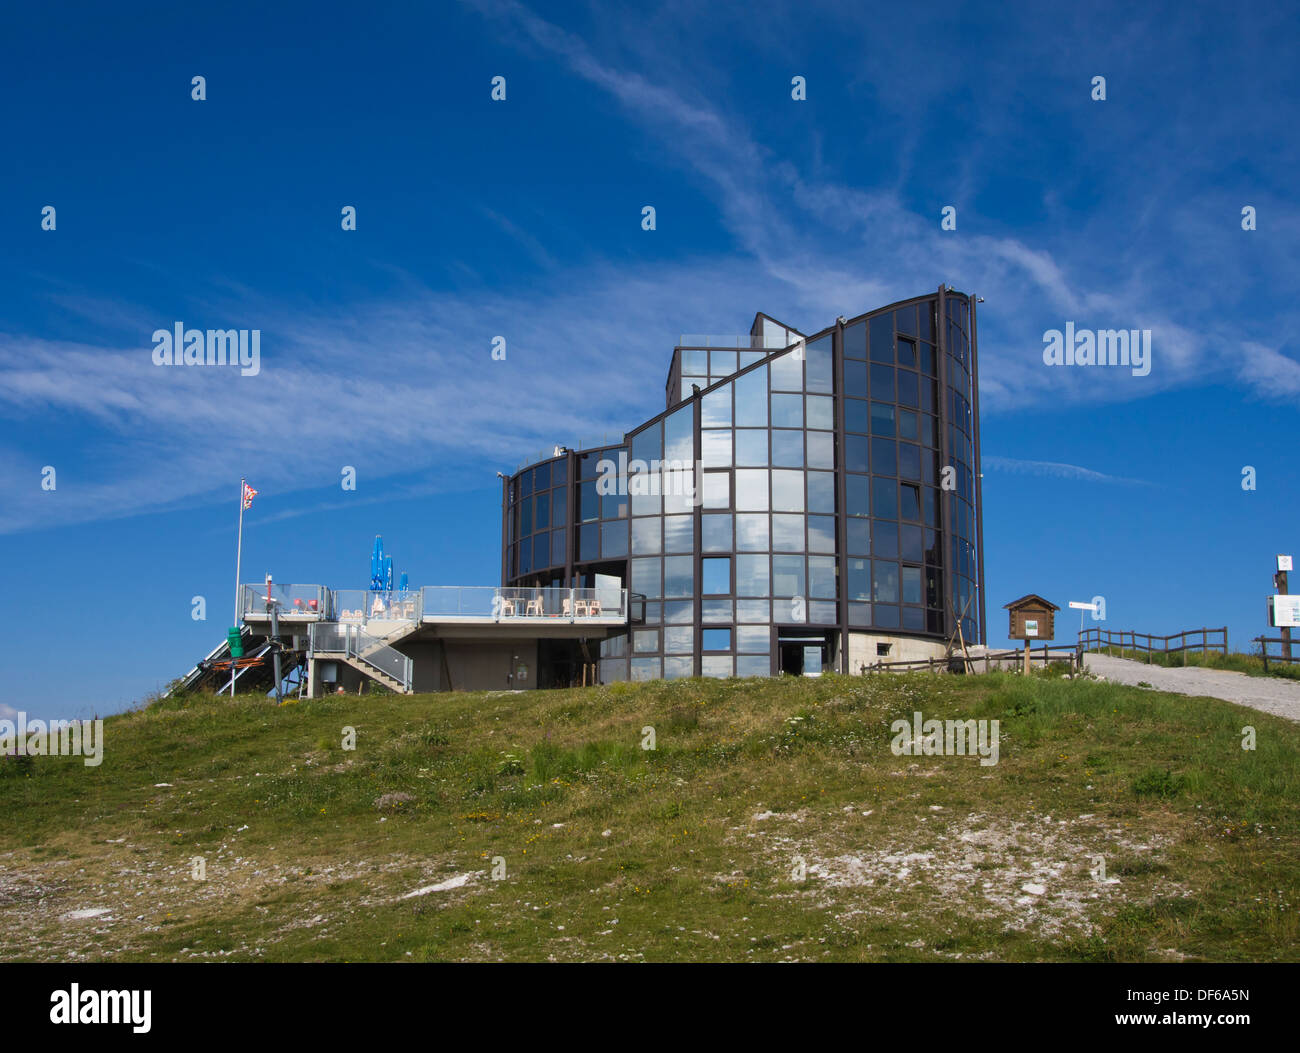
360	606
1127	640
613	438
508	603
741	342
294	601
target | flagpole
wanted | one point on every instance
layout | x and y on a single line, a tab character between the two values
239	552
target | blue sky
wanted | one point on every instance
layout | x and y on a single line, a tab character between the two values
522	218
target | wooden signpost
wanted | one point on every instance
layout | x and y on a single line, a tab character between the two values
1032	618
1282	611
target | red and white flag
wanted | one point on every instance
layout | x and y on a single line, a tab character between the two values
249	494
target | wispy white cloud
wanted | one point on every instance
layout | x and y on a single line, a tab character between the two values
1057	470
404	384
800	224
392	387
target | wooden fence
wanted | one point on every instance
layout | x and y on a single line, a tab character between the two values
1287	657
1127	640
957	663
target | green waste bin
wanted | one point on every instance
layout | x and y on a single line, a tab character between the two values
236	642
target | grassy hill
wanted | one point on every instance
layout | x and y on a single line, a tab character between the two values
771	822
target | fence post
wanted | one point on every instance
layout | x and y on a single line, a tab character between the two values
1225	641
1263	648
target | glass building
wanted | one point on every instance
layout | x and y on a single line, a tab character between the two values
803	503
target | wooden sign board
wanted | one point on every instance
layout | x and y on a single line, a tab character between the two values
1032	618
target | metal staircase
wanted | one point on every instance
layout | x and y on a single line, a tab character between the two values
368	654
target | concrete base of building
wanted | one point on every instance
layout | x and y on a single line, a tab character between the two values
868	648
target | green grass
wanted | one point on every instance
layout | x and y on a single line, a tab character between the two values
1234	662
772	822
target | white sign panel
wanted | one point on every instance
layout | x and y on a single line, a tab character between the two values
1283	562
1284	611
1083	606
1031	627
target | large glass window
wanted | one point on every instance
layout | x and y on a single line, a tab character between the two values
788	576
885	581
819	370
884	456
882	338
821	577
751	399
722	363
695	363
679	576
715	448
884	539
716	572
679	436
820	411
679	640
751	532
679	490
787	491
855	340
787	534
821	492
715	408
911	584
787	448
858	580
856	457
752	576
679	533
751	490
856	416
751	446
613	539
615	506
821	534
787	411
648	445
648	536
717	490
589	501
858	536
787	372
821	449
884	498
715	640
717	533
857	491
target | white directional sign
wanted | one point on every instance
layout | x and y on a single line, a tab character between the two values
1083	606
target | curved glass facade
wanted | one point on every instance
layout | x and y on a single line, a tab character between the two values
822	491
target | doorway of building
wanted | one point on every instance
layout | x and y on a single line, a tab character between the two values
807	653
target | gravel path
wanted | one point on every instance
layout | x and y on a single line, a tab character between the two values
1269	694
